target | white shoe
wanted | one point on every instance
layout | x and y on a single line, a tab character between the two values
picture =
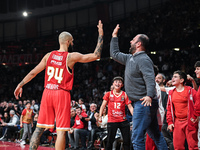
23	142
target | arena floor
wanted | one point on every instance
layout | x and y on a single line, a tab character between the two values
16	146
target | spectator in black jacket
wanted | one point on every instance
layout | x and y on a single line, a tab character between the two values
92	126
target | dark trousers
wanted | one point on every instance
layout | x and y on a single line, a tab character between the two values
125	130
168	136
43	138
93	135
11	130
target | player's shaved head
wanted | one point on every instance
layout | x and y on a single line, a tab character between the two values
64	36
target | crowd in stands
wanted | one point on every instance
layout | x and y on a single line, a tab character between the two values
175	24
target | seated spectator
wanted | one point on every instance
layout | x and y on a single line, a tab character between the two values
9	107
81	104
34	122
12	126
24	103
20	106
46	133
34	106
102	125
26	121
92	126
17	111
1	108
72	121
79	129
6	119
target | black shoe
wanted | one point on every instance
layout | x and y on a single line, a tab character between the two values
90	145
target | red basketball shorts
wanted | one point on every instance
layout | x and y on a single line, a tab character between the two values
55	106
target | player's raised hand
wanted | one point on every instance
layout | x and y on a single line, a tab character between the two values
100	27
115	31
18	92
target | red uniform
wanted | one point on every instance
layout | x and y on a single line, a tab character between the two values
179	112
56	99
116	106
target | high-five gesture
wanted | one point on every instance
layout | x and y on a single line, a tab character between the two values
100	27
115	31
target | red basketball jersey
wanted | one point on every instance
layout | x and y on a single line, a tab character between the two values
57	75
116	106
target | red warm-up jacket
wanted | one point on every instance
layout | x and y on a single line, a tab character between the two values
191	102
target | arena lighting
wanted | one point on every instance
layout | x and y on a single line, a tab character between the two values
153	52
98	60
25	13
4	64
177	49
110	57
199	45
26	63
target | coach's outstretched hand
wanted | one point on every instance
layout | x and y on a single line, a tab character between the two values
115	31
100	27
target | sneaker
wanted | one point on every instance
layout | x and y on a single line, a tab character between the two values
23	142
3	139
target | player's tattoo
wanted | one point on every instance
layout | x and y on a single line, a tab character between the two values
69	56
21	83
99	46
35	139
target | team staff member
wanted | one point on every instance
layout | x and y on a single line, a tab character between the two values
140	88
116	100
59	77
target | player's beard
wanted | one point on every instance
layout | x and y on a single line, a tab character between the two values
132	49
70	48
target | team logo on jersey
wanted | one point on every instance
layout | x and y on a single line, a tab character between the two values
122	98
112	97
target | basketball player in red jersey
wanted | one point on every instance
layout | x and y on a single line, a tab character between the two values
59	77
116	100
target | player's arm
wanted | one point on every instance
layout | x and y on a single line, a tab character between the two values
103	105
41	66
84	58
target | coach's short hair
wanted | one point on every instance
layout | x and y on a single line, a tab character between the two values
144	39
